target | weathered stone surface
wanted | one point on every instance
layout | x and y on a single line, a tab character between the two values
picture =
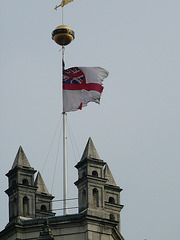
21	159
90	151
39	183
30	204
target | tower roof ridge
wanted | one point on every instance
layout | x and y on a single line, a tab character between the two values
90	151
21	159
39	182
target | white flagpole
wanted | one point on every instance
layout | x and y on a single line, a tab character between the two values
65	206
62	15
65	40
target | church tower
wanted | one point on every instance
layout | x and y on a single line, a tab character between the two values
98	193
21	189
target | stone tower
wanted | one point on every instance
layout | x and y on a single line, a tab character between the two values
43	198
27	199
30	203
98	193
21	189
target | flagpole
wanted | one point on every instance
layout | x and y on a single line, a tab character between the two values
63	35
62	15
65	205
65	173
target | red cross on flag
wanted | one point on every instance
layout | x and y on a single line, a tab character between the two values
82	85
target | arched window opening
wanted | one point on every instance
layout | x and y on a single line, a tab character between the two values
15	207
43	208
94	173
25	206
25	182
95	197
112	217
111	200
84	198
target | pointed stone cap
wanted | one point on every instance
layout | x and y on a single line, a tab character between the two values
108	175
39	182
21	159
90	151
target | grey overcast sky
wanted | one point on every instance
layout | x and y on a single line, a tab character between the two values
136	129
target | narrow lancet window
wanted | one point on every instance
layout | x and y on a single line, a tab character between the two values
43	208
15	207
111	200
84	198
95	173
25	206
25	182
95	197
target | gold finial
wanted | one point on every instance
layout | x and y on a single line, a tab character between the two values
64	2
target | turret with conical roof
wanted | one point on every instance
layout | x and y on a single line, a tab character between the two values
39	183
21	189
90	151
108	175
27	198
112	204
98	193
91	180
43	198
21	159
90	156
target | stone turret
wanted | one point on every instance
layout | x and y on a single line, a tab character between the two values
30	210
43	198
27	198
98	193
21	189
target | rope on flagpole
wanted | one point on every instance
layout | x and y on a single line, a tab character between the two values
57	154
51	145
73	142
